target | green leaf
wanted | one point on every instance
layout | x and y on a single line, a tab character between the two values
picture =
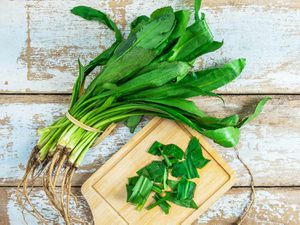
176	90
204	49
139	194
132	122
173	184
89	13
227	136
197	5
182	18
186	169
156	148
102	58
183	104
157	76
172	151
78	85
188	203
163	205
138	50
211	79
139	21
194	153
157	189
154	171
158	28
185	189
190	44
215	123
257	111
161	201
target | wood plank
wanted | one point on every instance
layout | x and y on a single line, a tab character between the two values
41	41
273	206
269	145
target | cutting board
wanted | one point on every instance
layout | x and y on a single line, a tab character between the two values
105	190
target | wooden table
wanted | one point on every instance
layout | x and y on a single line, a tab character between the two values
40	42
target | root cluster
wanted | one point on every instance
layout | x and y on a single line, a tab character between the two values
56	175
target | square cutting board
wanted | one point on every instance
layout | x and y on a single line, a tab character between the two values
105	190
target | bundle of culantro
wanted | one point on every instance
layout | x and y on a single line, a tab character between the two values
148	73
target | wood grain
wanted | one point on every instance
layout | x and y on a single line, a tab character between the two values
40	41
273	206
270	145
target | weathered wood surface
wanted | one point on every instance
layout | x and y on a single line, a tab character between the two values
273	206
40	41
270	145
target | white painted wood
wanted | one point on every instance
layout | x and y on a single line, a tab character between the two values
40	41
273	206
270	145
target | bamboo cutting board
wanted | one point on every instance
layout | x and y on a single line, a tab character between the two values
105	190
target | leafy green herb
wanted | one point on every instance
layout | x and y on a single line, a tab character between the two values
149	72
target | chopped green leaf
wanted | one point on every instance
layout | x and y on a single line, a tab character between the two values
155	171
139	194
185	189
194	153
185	168
188	203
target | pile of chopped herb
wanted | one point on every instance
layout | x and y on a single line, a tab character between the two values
150	72
155	177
